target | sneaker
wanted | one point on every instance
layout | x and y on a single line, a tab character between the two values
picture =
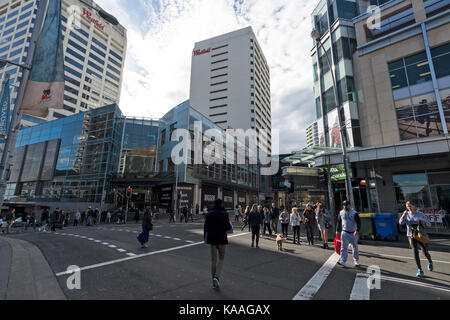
357	265
253	245
341	264
420	273
216	283
430	267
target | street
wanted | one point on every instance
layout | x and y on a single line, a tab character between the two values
176	266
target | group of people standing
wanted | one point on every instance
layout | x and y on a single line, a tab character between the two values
261	219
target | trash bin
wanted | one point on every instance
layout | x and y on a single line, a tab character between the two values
386	226
367	230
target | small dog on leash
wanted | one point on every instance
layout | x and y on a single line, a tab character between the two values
280	241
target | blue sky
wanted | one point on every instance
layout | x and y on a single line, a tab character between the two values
161	36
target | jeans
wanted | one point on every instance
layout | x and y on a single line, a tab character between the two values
349	238
143	237
285	229
415	245
297	233
216	266
309	233
255	234
267	227
275	225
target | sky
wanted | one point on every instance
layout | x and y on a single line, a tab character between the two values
161	36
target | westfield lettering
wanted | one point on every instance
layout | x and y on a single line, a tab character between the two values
88	16
200	52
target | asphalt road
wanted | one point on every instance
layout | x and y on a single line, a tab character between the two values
176	266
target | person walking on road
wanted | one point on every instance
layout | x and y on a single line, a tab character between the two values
236	214
414	221
267	222
147	226
284	221
185	214
172	215
309	218
54	217
108	217
76	218
255	220
217	224
323	218
296	221
44	219
191	213
261	213
348	225
10	218
274	215
245	219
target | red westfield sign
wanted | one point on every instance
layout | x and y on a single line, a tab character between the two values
200	52
88	16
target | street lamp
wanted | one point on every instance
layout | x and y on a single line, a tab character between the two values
315	35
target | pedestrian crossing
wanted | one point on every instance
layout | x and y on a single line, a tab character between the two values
151	234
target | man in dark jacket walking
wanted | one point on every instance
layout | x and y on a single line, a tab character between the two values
274	216
215	234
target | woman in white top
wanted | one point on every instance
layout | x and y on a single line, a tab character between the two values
414	220
296	221
284	220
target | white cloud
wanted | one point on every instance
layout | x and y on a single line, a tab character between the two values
161	36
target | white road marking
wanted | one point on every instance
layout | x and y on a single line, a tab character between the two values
189	241
314	284
133	256
416	283
176	239
166	237
121	250
400	257
97	241
159	236
360	291
105	243
90	239
112	246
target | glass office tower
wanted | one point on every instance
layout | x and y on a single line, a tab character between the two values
332	18
68	160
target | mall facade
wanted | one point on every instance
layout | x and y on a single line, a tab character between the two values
400	92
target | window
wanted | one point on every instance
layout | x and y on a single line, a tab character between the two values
115	62
72	71
441	60
16	52
4	49
70	99
113	69
99	60
328	100
19	34
9	31
111	83
77	46
76	55
11	22
318	109
25	15
21	25
72	81
27	6
95	66
71	90
219	61
101	45
100	52
115	55
89	71
163	136
66	107
347	89
13	14
109	74
73	62
74	35
344	48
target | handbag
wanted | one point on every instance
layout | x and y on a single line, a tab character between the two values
337	245
420	235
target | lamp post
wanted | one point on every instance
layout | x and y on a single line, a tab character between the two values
315	34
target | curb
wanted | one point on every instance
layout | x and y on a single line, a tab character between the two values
31	277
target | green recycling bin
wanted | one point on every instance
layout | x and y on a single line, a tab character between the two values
367	230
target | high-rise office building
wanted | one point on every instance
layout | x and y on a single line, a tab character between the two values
94	53
312	135
230	82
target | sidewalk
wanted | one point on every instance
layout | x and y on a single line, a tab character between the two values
25	273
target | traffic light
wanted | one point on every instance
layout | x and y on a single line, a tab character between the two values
323	176
129	191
